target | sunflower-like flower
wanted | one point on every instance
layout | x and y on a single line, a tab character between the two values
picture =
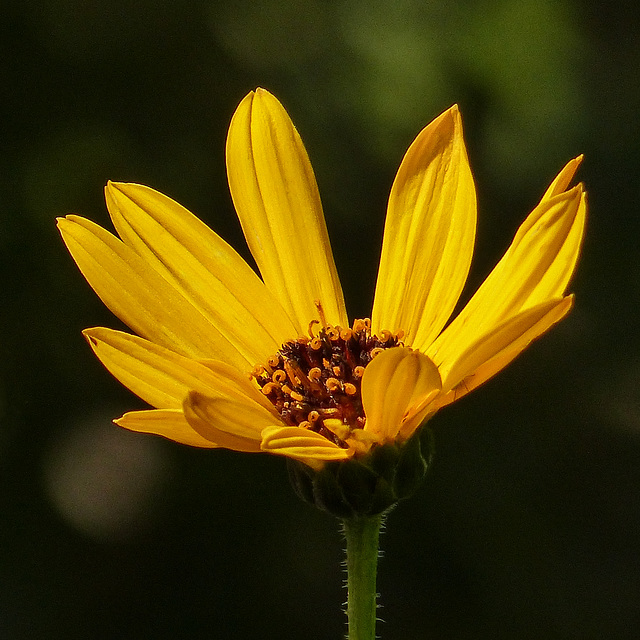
273	364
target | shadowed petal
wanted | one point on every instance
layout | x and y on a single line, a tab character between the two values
496	349
231	422
169	423
301	444
202	267
397	387
276	198
429	234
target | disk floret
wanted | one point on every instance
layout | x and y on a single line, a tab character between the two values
314	382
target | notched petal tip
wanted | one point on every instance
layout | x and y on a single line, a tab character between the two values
95	335
114	190
262	97
563	179
449	122
64	223
167	423
456	114
92	340
256	99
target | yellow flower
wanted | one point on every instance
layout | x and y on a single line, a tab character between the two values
231	360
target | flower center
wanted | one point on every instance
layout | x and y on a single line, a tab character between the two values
314	382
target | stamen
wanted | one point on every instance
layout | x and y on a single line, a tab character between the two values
291	374
333	384
323	319
333	333
269	388
293	394
314	382
346	334
258	371
273	361
311	325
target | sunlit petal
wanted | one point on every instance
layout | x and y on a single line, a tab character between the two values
563	179
536	268
276	197
429	234
160	376
140	296
202	266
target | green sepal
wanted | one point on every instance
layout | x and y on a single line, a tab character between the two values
365	486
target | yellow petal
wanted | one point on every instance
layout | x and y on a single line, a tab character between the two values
276	197
397	386
494	350
301	444
202	267
230	422
141	297
159	376
563	179
535	269
169	423
429	234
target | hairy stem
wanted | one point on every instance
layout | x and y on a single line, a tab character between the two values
362	535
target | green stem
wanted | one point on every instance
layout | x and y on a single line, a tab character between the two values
362	560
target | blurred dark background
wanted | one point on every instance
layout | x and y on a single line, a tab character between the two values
528	526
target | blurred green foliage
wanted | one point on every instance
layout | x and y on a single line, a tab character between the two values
529	524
